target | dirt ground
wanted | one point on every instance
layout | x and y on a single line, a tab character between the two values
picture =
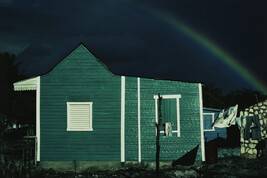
235	167
227	167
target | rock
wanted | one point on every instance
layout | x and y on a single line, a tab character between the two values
190	173
186	173
256	108
242	150
246	113
250	151
251	110
261	122
252	145
241	113
178	173
254	151
256	112
241	139
263	107
260	104
254	142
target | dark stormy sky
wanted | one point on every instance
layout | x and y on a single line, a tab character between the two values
141	38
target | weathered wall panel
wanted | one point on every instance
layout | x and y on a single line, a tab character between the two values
80	77
171	147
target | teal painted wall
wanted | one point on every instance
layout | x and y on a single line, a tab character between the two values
171	147
80	77
131	119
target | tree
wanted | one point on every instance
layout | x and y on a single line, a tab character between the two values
212	96
8	75
244	98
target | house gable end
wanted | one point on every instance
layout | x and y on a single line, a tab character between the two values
80	58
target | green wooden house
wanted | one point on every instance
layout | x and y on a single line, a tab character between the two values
85	113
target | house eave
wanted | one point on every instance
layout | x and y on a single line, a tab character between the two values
26	85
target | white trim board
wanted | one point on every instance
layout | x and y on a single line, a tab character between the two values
122	119
212	118
201	122
139	119
38	91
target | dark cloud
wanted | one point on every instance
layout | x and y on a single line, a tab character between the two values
131	41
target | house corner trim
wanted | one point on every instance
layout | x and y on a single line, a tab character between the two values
201	122
139	120
38	116
122	119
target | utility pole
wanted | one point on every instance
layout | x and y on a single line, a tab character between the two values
158	135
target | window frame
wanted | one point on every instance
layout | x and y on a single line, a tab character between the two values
177	97
90	127
212	117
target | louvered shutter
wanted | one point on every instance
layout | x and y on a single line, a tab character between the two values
79	116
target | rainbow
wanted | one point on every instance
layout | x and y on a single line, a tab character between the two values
201	40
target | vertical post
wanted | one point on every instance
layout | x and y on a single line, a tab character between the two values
158	136
35	150
139	120
122	120
201	123
38	117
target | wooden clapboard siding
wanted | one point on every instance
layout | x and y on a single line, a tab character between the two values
131	119
171	147
80	77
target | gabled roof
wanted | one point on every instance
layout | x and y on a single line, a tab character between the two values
78	46
30	84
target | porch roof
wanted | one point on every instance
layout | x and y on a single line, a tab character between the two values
26	85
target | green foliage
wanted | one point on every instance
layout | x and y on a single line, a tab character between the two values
244	98
13	105
8	75
212	97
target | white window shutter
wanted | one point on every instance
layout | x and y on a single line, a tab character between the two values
79	116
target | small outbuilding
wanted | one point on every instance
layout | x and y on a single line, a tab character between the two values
253	121
210	132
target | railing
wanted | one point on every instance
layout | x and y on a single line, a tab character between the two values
17	157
